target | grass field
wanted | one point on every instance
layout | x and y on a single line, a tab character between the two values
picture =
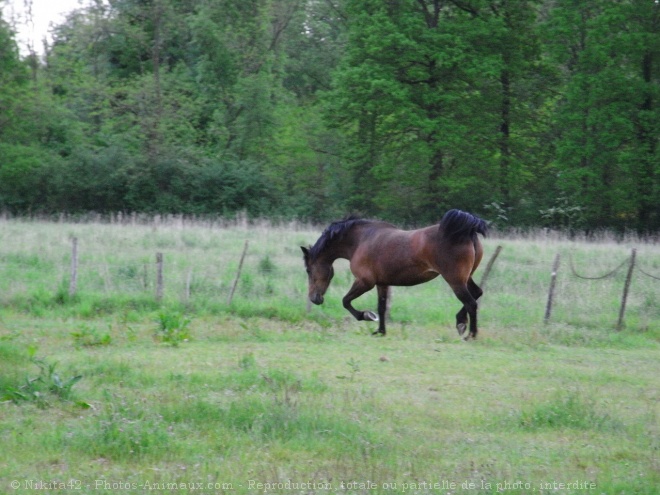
109	391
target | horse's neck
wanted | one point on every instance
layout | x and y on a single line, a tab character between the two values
343	249
343	252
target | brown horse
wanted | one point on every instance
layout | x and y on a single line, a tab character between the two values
381	255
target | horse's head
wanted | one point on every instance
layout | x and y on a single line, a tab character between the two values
319	275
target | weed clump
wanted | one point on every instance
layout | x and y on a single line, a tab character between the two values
88	336
172	328
39	389
266	266
121	431
570	410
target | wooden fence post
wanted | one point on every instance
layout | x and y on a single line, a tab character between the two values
388	308
626	287
145	276
238	274
73	282
159	277
188	283
490	264
551	292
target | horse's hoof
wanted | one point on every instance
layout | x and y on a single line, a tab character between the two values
461	327
370	316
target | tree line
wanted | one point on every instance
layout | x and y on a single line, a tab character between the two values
528	112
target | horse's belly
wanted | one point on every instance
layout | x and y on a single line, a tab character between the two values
406	278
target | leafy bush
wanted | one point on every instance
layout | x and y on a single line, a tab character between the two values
172	328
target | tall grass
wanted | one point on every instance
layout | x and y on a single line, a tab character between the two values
117	275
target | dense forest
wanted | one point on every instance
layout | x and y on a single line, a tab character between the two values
528	112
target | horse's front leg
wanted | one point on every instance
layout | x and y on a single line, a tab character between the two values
359	287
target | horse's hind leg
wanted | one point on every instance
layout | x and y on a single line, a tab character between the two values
462	321
383	292
465	295
462	315
474	289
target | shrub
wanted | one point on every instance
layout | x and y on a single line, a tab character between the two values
172	328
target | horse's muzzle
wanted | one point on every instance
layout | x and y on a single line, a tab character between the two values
316	299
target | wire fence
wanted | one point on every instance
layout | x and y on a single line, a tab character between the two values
194	279
577	278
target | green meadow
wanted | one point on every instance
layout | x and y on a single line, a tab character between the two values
110	391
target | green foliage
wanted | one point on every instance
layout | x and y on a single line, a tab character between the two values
172	328
607	163
313	110
564	215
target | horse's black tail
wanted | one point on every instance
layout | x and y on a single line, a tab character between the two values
459	226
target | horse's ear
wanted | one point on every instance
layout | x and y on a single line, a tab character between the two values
305	251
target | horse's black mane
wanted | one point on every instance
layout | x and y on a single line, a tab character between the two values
334	231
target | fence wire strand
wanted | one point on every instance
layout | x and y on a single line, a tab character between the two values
609	274
648	274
